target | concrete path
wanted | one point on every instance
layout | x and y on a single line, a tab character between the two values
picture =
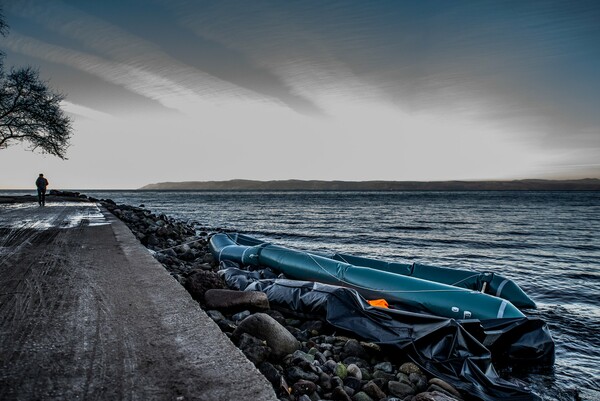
87	314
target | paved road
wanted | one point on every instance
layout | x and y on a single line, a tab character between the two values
86	313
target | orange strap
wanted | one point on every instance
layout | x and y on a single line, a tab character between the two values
382	303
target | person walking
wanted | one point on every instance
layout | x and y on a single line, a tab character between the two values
41	183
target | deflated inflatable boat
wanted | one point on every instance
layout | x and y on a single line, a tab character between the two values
446	292
428	324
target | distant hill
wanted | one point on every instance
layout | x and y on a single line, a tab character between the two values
588	184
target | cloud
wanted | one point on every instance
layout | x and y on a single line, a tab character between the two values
277	38
86	112
162	88
128	60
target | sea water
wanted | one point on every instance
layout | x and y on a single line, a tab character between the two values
547	242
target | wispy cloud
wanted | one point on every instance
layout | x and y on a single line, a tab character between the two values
86	112
279	41
126	60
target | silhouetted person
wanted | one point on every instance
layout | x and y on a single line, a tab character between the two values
41	183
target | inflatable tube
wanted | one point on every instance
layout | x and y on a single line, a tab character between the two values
487	282
410	292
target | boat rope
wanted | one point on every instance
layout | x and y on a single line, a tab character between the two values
375	289
466	278
175	246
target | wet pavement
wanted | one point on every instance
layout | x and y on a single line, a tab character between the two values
86	313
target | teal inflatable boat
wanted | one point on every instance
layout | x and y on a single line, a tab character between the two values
409	286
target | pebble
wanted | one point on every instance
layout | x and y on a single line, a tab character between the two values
354	348
433	396
444	385
295	373
361	396
384	367
373	391
400	389
340	370
354	371
409	367
339	394
304	387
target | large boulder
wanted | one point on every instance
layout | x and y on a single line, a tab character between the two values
277	337
231	300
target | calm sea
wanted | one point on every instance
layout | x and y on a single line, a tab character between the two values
548	242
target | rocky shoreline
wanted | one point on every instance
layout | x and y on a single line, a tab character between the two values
303	359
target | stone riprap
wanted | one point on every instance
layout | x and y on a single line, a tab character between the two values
305	360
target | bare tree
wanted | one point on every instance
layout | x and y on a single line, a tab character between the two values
30	111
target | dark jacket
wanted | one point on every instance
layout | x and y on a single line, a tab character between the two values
41	183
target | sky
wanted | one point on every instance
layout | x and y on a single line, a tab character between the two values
176	90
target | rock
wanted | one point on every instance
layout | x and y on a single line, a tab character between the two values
409	367
353	348
270	372
325	381
232	300
433	396
361	396
297	333
304	387
203	266
384	367
446	386
300	356
181	249
295	373
338	394
226	325
171	253
340	370
373	390
199	283
329	366
188	256
304	397
361	363
403	378
254	349
352	382
238	317
400	389
312	326
151	240
380	374
336	382
354	371
215	315
274	334
419	381
276	315
370	347
435	388
319	357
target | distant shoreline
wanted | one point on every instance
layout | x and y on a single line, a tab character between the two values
588	184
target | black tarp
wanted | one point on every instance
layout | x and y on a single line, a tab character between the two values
459	352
